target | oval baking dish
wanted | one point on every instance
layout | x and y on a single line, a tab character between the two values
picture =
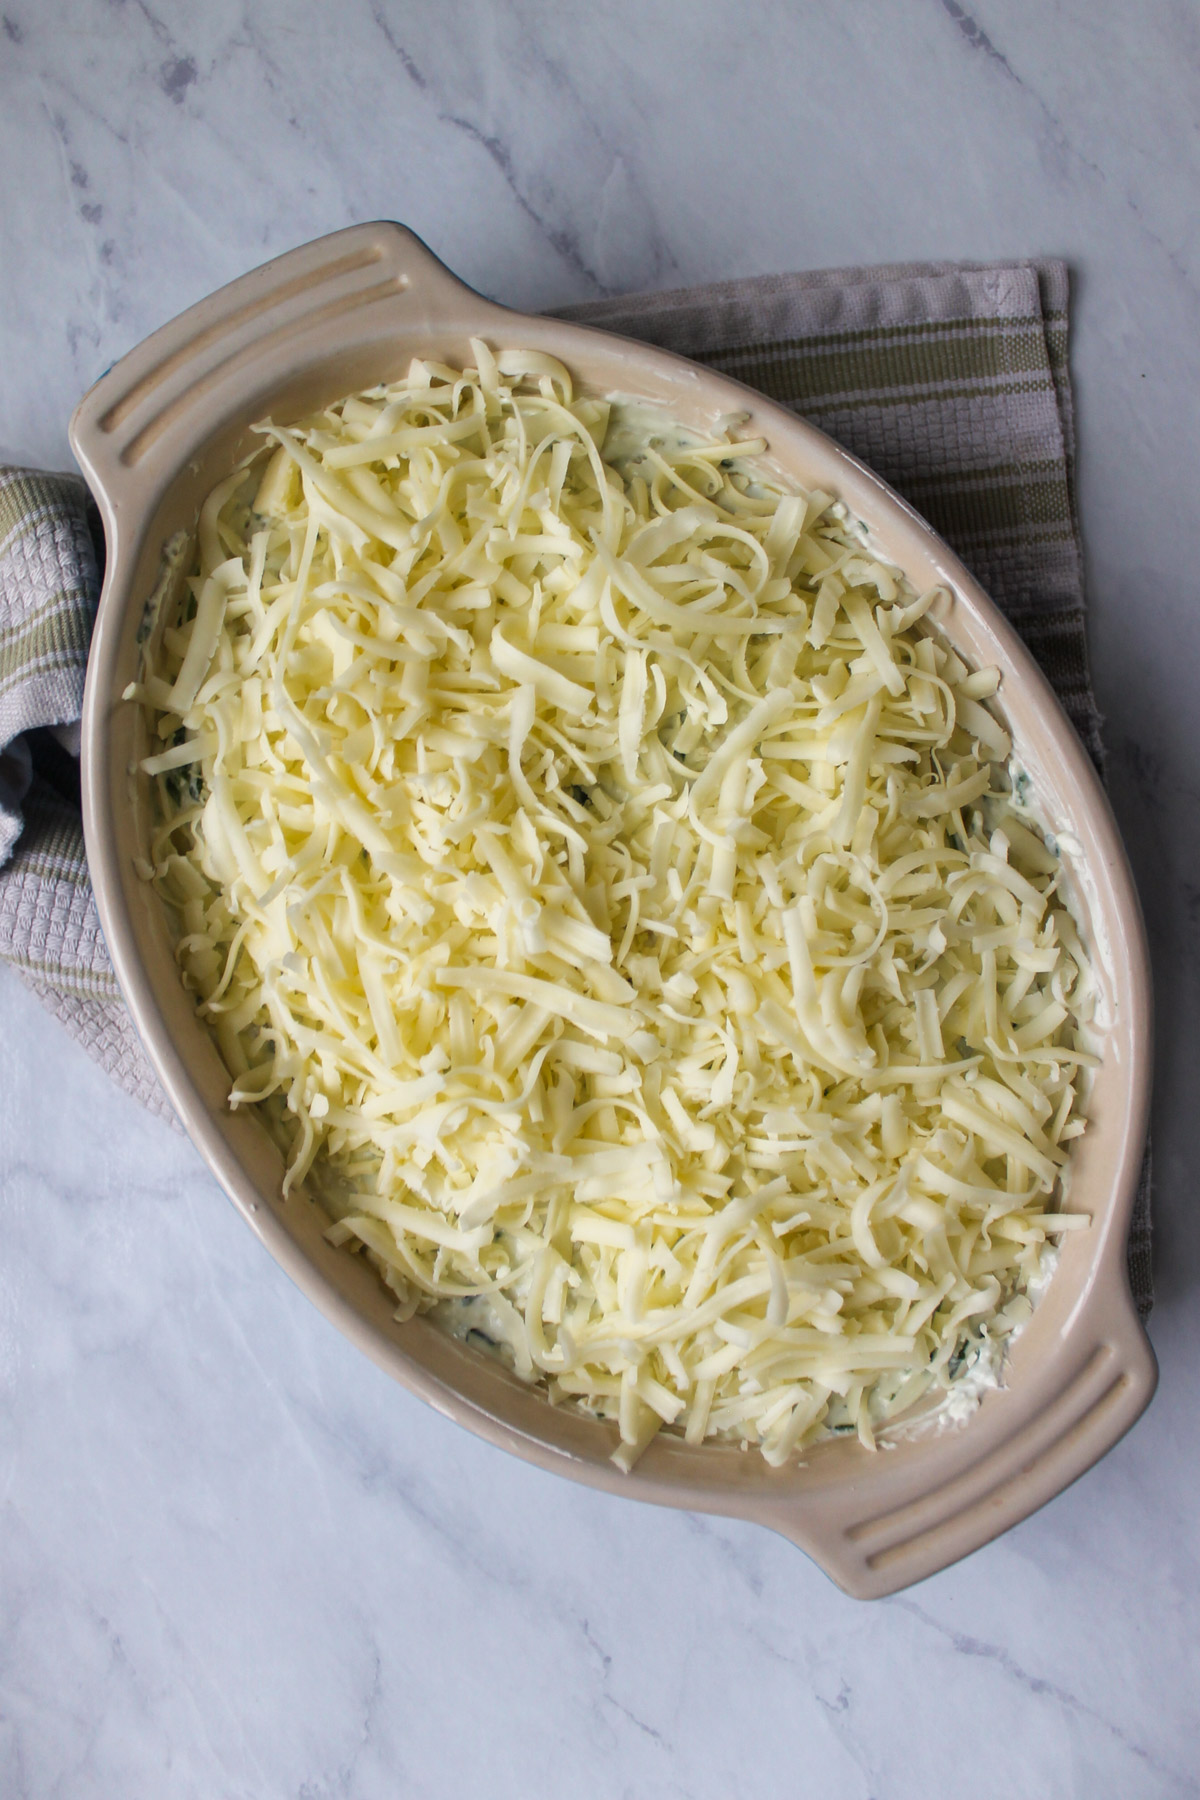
153	437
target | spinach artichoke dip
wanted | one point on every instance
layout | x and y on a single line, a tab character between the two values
607	886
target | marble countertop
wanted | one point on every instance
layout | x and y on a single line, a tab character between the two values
235	1560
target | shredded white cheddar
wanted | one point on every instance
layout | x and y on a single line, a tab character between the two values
607	885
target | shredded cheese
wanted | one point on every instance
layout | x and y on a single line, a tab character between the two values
606	885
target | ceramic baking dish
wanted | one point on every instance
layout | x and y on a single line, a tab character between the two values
153	437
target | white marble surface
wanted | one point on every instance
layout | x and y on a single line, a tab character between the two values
234	1559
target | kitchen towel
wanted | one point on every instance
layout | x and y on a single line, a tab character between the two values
949	379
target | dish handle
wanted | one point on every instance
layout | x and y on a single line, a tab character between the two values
978	1483
152	410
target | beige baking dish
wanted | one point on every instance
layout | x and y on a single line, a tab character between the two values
153	436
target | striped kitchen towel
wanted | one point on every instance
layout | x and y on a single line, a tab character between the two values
951	380
51	550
